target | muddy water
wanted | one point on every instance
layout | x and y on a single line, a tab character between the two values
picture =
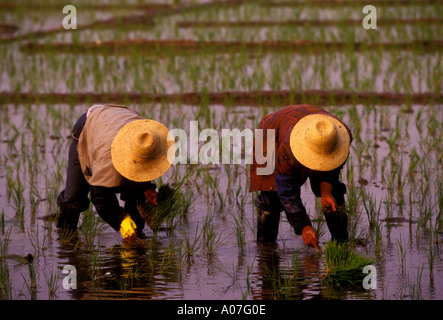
238	269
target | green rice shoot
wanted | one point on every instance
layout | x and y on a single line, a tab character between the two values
168	207
343	265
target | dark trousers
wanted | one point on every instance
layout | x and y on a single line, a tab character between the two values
74	199
269	208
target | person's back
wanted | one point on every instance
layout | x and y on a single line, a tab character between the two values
309	143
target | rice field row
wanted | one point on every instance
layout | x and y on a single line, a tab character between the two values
230	98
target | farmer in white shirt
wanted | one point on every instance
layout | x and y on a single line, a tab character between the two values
114	150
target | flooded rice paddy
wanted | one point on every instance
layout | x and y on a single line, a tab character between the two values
393	175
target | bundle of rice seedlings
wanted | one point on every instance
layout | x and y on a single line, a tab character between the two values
168	206
343	265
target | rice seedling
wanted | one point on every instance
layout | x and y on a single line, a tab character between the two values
401	254
97	261
123	283
16	190
249	269
343	266
221	200
241	203
431	254
171	204
212	238
34	198
52	187
283	282
2	221
371	209
168	263
69	238
5	281
426	209
232	272
31	286
190	244
379	245
34	238
356	235
415	289
239	231
295	265
318	223
52	279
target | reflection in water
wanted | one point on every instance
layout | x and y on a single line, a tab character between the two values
296	275
268	261
159	271
123	272
298	279
155	271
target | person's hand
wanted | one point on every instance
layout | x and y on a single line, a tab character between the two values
327	200
151	196
309	237
128	229
328	203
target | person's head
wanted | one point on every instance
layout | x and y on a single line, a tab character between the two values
320	142
140	150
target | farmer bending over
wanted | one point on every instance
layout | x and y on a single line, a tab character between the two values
114	150
309	143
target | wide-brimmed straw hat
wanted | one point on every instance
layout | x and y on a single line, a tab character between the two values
140	150
320	142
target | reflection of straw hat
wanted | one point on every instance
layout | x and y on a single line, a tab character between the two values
320	142
140	150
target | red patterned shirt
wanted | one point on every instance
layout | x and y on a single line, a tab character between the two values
282	122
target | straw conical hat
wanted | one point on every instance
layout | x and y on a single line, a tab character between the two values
140	150
320	142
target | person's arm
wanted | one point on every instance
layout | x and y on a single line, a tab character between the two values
327	200
321	185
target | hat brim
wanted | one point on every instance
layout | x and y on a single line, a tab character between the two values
317	161
141	169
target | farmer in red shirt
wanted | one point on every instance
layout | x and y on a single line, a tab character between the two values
309	143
